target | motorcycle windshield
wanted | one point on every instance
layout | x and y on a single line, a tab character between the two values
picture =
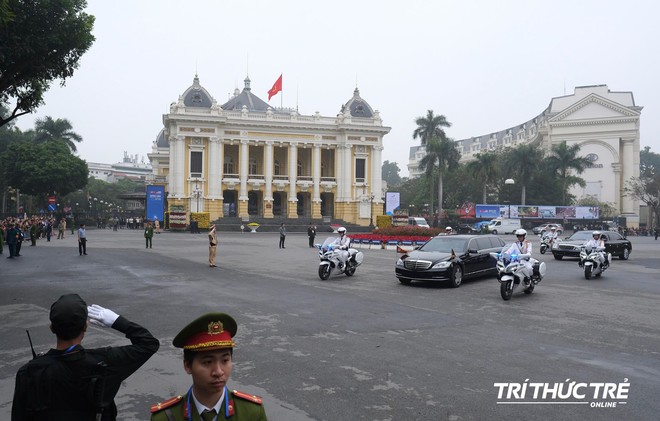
327	244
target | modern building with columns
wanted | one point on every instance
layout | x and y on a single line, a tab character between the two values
245	158
604	123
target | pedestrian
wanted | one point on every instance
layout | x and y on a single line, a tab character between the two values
208	349
12	239
33	233
73	225
311	233
2	236
282	235
49	229
19	239
61	227
71	382
82	240
213	245
157	225
148	234
655	231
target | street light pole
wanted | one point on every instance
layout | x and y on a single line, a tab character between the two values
509	182
371	212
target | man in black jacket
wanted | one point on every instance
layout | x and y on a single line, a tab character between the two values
74	383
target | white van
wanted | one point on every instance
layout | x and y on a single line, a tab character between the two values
504	226
418	222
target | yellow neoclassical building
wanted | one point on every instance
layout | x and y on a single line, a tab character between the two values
245	158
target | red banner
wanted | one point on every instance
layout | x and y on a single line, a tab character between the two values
277	87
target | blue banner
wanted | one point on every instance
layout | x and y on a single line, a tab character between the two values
156	203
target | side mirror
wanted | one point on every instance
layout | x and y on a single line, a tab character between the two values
472	251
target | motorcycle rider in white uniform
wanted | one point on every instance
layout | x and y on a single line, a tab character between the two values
449	231
598	243
523	249
550	236
343	242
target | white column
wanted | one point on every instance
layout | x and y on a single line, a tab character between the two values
173	176
339	174
627	161
376	173
268	175
243	170
181	165
348	173
293	171
213	178
316	175
221	167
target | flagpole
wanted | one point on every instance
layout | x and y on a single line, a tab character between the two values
282	96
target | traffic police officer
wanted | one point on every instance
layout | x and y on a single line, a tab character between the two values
208	347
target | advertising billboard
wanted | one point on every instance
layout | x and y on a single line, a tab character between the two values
155	203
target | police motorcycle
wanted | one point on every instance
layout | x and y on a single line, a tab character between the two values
330	260
546	243
512	273
590	261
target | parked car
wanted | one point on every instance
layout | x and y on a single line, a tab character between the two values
504	225
615	244
450	258
467	229
541	229
418	222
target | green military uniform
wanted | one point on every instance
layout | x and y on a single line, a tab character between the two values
210	333
242	407
148	235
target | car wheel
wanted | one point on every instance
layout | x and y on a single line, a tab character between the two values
559	232
625	255
557	256
456	276
494	232
404	281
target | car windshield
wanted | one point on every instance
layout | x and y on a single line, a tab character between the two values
581	236
445	244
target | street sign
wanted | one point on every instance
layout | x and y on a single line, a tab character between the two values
51	207
52	200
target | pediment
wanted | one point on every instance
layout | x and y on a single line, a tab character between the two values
594	107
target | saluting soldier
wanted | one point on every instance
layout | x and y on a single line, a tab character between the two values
208	348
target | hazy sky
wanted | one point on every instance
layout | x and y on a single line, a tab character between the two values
486	65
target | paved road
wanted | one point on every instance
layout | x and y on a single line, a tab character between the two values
360	348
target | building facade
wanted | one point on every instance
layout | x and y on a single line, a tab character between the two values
604	123
245	158
130	168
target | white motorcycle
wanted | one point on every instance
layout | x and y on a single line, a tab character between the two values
511	273
330	261
590	261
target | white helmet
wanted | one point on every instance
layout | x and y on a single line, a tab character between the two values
595	233
521	232
448	229
341	230
553	228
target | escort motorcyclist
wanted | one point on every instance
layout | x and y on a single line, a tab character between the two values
523	249
343	242
550	236
598	242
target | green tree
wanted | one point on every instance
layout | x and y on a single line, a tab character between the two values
60	130
564	161
42	41
649	162
390	173
430	126
485	168
42	169
441	156
523	161
647	190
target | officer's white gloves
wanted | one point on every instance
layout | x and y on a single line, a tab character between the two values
101	316
525	256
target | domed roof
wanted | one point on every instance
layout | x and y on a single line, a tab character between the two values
247	98
197	96
357	106
161	142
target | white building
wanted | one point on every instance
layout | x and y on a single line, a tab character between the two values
246	158
129	168
604	123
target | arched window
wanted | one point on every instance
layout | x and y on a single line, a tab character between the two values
228	167
277	167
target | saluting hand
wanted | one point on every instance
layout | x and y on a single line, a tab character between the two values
101	316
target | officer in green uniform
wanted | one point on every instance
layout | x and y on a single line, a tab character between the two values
148	234
208	348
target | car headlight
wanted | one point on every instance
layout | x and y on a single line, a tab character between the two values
399	262
441	265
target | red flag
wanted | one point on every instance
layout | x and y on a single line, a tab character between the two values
400	249
277	87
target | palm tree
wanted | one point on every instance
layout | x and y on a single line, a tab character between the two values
485	168
441	156
430	126
523	161
562	160
60	130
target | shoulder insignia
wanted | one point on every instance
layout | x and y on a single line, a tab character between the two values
252	398
165	404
